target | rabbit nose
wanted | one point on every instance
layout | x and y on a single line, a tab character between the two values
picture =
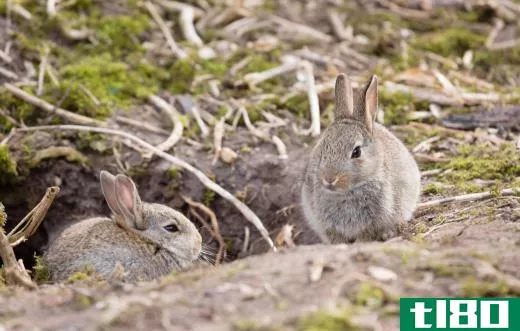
329	179
329	184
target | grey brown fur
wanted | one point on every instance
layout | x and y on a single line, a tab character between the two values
346	198
135	239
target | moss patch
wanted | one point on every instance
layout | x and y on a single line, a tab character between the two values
482	162
41	271
3	216
182	73
69	153
433	189
8	172
95	85
398	106
450	270
338	320
451	41
88	273
369	295
119	34
473	288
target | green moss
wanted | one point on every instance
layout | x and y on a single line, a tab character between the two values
16	107
174	172
182	73
41	271
2	279
411	136
396	106
69	153
338	320
92	141
299	105
8	172
478	14
82	301
450	270
482	162
3	216
111	82
369	295
485	60
451	41
87	273
473	288
263	62
259	63
120	34
245	149
209	197
433	189
215	67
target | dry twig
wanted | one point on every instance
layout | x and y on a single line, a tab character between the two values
141	125
42	104
463	198
42	70
176	50
15	273
30	223
188	28
301	29
8	73
280	146
214	228
176	133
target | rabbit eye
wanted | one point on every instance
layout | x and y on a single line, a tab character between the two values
171	228
356	152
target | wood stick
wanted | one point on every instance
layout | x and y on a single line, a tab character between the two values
188	28
248	214
8	73
280	146
177	129
176	50
215	229
141	125
42	69
302	29
51	8
14	273
313	98
337	26
464	198
30	223
44	105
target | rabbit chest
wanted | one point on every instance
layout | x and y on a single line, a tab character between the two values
359	213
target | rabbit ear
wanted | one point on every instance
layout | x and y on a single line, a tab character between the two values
370	100
108	187
344	97
129	202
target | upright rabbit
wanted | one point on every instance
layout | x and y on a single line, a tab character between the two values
360	181
147	239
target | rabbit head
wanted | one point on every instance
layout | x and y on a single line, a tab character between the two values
165	227
345	157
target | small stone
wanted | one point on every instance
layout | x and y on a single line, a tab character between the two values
228	155
382	274
207	53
